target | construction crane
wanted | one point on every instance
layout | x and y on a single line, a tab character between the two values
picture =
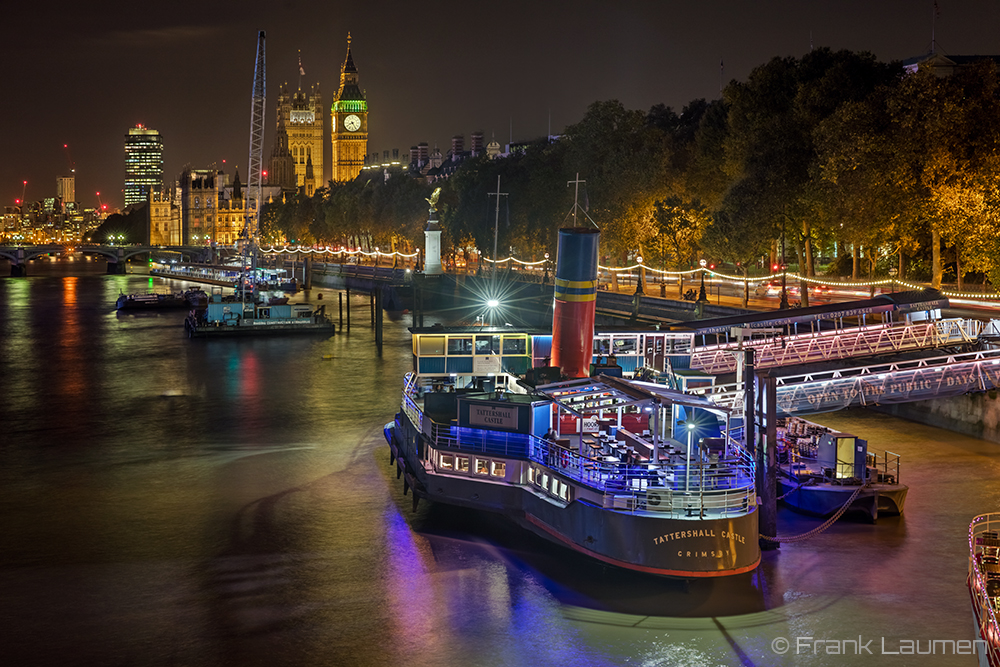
251	230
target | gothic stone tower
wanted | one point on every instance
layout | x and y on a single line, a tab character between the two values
300	117
349	123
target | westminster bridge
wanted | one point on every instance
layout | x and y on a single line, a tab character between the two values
116	254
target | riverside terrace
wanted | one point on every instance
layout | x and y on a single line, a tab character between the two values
639	470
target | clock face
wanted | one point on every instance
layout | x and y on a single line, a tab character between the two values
352	123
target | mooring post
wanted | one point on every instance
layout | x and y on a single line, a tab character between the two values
766	462
340	299
348	308
378	321
371	306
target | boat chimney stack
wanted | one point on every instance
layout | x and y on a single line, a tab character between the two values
575	300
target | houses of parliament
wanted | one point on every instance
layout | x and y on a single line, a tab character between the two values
296	161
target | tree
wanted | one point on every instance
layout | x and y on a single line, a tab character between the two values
741	230
625	161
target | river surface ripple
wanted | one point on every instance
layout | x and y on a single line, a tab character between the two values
173	502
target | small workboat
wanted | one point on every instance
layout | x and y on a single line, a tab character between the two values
823	472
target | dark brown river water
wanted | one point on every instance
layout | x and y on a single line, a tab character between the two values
173	502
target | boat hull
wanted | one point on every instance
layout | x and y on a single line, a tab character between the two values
640	541
824	500
264	328
144	303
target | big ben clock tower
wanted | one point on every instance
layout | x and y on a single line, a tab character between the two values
349	123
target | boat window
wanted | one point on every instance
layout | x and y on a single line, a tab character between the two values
482	467
431	345
544	483
460	345
602	345
462	464
515	345
531	475
447	462
625	346
487	344
498	468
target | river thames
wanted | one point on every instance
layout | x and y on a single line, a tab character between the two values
165	501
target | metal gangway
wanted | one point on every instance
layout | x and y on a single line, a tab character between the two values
888	382
837	344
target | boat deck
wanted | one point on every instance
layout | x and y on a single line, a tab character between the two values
617	475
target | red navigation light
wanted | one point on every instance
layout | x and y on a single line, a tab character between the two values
711	266
774	267
17	201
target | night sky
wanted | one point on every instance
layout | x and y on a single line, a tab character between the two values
83	73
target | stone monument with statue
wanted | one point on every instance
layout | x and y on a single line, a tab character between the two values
432	239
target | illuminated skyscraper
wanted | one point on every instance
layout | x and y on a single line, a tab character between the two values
66	189
143	164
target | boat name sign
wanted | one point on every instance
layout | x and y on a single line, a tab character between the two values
494	417
687	534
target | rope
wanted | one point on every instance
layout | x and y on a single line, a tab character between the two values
819	529
783	496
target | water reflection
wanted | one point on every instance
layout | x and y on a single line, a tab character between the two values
231	502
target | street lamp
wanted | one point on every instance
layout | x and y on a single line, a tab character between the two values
702	296
545	280
784	270
642	275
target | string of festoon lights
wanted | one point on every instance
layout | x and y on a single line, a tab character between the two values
514	259
789	276
271	250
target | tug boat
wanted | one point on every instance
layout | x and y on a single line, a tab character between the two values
822	472
635	474
984	586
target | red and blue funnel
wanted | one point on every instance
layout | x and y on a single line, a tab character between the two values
575	301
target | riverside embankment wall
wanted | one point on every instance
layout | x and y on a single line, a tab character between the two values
977	415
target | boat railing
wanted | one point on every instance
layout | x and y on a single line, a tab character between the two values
984	580
499	443
719	485
883	466
409	406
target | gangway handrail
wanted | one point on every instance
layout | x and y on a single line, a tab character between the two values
891	382
815	346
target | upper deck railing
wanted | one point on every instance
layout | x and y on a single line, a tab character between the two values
705	486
